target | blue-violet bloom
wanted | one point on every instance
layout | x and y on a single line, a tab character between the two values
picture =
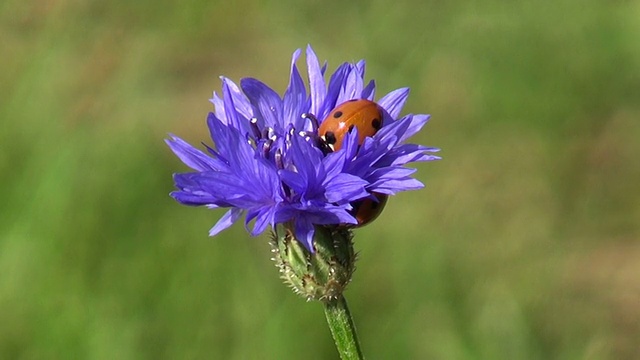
267	163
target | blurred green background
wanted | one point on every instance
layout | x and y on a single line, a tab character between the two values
524	244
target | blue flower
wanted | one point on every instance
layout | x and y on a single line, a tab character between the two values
267	163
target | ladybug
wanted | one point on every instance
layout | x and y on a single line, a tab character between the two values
367	210
363	114
367	117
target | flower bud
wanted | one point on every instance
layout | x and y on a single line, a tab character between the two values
322	275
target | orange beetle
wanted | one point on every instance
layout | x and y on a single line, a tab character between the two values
367	117
364	114
367	210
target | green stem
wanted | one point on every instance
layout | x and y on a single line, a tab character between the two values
343	329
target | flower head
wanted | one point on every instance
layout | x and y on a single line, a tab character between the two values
270	164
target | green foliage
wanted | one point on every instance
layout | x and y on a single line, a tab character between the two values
522	246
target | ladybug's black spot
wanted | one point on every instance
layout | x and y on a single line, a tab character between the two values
351	127
374	205
337	114
330	137
376	124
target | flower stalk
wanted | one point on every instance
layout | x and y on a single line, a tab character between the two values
342	328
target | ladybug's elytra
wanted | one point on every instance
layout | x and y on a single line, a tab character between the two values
366	116
367	210
363	114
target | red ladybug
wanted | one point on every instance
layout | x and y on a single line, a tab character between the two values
367	117
367	210
364	114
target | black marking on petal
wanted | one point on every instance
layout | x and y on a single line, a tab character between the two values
337	114
376	124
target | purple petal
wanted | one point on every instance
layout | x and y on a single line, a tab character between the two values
334	163
391	187
263	216
372	150
295	96
193	199
394	101
304	230
369	92
218	106
360	67
240	101
395	129
426	157
192	157
334	215
306	159
294	180
345	188
223	187
333	91
229	106
228	219
407	153
352	88
221	134
389	173
264	219
191	191
350	143
317	86
265	101
416	124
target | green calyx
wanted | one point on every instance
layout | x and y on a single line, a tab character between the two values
322	275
